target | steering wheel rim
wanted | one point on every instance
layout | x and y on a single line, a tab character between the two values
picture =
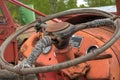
79	60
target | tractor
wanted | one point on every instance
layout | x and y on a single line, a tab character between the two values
76	44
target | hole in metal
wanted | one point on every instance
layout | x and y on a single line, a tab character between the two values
49	59
91	48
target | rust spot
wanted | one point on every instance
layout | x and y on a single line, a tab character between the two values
35	41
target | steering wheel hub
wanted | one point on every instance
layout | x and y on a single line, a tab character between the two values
57	26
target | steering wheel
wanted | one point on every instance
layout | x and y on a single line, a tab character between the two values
66	64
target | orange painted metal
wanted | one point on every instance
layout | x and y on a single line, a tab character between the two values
103	69
97	69
111	66
43	60
107	69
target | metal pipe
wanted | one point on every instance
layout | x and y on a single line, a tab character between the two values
94	24
16	2
5	74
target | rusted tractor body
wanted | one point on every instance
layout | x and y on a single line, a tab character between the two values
83	44
97	37
99	68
